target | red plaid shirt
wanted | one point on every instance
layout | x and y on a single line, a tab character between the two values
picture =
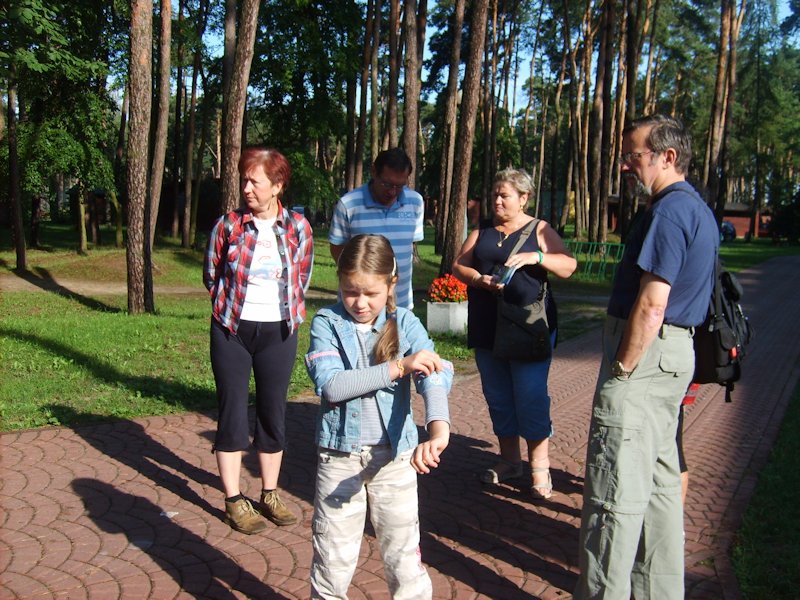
227	264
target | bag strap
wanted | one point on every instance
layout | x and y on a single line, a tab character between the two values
716	290
526	233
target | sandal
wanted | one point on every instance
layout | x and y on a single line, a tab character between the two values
502	471
541	491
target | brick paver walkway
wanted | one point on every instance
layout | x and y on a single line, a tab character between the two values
132	509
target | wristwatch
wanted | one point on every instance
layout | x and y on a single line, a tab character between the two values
618	370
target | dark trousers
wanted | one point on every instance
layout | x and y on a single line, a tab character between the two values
269	352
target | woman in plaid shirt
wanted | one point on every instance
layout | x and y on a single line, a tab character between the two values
257	270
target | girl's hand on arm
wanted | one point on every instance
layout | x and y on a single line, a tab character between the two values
427	455
424	361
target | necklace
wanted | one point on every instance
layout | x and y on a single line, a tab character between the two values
503	238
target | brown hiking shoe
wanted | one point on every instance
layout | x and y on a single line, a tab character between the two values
272	507
242	517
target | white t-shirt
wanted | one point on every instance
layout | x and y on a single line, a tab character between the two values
262	300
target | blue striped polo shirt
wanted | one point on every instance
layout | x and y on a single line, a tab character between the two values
401	223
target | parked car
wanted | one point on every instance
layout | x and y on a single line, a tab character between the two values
727	232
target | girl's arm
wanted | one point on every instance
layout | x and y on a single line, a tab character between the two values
434	386
334	379
354	383
427	455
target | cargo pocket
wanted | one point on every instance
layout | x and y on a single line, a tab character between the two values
615	461
677	356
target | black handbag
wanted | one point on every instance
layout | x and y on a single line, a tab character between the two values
522	332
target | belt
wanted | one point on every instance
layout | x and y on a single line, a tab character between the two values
669	329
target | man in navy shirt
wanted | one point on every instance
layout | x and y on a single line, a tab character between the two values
631	539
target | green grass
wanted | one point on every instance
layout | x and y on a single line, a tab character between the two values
70	358
766	555
739	255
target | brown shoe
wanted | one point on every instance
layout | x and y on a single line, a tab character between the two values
242	517
272	507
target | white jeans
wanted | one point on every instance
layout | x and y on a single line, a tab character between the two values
346	483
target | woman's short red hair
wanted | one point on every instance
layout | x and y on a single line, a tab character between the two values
275	165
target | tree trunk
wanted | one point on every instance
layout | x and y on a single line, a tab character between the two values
619	113
350	136
466	133
529	105
411	87
14	191
177	149
649	85
489	70
715	128
449	126
228	55
189	208
83	201
361	135
606	161
188	171
119	176
633	17
115	203
735	28
374	113
394	74
162	117
232	136
205	125
594	148
140	103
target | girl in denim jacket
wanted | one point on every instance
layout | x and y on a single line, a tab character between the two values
363	355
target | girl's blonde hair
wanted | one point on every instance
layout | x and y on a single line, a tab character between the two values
373	255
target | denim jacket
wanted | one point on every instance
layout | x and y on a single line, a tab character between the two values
334	348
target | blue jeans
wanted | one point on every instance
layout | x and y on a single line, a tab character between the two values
516	393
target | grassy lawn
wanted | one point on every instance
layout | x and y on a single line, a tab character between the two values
72	358
766	555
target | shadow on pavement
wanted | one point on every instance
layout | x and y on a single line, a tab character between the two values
197	567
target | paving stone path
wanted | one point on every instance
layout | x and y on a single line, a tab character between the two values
133	509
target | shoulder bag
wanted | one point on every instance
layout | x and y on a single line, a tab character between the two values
522	332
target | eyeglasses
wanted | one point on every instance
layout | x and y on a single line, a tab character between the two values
391	186
627	157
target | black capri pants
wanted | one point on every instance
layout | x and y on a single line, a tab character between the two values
269	351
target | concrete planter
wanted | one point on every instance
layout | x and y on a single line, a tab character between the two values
447	317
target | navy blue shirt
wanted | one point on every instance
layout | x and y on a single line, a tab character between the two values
523	289
676	239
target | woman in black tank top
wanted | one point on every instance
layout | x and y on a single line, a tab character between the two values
515	391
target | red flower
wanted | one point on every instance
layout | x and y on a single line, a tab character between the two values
447	289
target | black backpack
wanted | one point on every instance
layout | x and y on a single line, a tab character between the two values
720	342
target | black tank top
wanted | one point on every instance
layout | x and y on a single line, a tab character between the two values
524	288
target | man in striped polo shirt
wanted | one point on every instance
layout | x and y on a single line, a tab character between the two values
387	207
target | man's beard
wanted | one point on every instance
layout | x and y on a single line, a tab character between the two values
637	188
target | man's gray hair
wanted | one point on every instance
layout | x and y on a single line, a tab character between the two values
667	132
